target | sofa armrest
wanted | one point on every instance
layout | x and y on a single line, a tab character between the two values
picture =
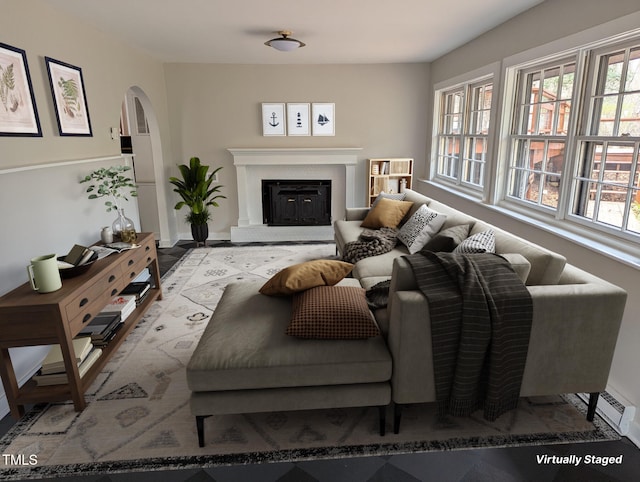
573	337
356	214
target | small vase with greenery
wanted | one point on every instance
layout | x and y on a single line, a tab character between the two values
111	182
198	195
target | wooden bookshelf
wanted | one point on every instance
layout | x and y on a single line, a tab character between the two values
28	318
387	175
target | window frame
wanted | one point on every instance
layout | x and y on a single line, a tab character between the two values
465	83
561	221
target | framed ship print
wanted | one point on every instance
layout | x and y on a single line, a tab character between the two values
323	119
18	112
273	120
298	119
69	98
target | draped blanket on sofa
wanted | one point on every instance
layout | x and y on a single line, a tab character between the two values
371	242
480	325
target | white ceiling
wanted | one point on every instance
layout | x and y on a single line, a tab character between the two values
335	31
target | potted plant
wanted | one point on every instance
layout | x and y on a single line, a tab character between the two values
112	183
197	194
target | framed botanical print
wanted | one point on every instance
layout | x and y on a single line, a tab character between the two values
323	119
298	119
18	112
69	98
273	120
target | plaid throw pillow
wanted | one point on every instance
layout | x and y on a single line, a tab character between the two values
332	312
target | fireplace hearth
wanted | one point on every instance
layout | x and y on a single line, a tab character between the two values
296	202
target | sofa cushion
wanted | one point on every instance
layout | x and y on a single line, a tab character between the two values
447	239
546	266
244	346
420	228
302	276
483	242
520	265
332	312
387	213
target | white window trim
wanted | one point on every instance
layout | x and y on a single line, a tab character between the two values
489	72
588	235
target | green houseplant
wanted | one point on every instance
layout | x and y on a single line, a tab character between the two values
198	195
111	182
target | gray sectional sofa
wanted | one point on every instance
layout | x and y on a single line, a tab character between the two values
245	362
576	316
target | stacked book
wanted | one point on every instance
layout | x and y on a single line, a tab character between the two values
139	289
102	328
122	305
53	370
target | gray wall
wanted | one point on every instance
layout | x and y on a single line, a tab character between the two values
381	108
44	209
566	22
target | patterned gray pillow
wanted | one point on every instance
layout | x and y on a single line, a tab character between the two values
420	228
484	242
395	196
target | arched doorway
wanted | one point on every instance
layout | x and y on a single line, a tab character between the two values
139	122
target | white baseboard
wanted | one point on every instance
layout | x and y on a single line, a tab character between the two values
634	433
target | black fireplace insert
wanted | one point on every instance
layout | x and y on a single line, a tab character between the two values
296	202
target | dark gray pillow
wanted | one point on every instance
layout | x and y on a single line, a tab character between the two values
447	239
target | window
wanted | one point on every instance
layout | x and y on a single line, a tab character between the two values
463	129
574	152
607	180
540	130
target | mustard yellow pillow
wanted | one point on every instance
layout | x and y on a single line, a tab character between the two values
387	213
300	277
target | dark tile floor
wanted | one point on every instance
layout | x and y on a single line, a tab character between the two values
474	465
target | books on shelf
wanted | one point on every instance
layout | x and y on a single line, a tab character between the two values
124	305
138	289
54	362
102	328
60	378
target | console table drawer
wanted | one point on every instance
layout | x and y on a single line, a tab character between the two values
132	256
111	282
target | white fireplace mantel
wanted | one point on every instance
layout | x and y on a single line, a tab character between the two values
255	164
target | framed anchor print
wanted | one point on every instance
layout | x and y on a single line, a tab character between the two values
273	120
323	119
298	119
69	98
18	112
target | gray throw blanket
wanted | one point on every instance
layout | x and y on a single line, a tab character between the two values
480	325
371	242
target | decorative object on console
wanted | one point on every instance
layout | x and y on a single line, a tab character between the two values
69	98
43	274
197	194
111	182
284	43
19	115
106	235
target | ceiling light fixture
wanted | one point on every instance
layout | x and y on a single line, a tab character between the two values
284	43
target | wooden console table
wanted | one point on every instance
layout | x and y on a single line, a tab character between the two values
28	318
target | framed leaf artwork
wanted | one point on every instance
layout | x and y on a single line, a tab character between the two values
69	98
18	112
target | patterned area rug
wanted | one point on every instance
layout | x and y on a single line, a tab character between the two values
138	416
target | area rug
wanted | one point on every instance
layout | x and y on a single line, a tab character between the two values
138	418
